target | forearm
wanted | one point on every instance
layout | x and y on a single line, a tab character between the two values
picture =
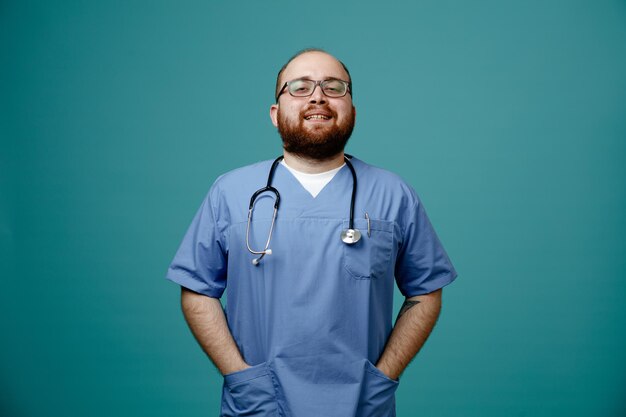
416	320
207	322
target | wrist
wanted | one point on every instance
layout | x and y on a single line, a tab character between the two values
385	370
235	368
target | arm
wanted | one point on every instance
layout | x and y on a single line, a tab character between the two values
207	322
415	321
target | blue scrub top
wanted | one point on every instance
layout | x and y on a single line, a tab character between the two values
313	317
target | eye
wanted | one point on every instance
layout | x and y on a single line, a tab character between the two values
300	87
334	87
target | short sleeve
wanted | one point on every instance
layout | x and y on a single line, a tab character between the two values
422	264
201	260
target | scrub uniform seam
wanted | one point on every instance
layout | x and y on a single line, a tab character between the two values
247	380
189	275
222	235
332	219
231	225
279	410
282	218
325	219
226	237
411	212
446	275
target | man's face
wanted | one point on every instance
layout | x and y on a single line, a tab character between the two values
316	127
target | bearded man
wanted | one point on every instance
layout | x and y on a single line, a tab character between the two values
309	246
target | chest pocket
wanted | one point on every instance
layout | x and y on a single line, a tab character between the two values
370	257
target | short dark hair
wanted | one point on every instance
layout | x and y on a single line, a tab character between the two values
279	85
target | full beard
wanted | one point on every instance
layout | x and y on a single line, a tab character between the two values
317	142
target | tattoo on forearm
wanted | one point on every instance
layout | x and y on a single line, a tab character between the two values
406	306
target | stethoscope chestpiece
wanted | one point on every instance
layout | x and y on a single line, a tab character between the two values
350	236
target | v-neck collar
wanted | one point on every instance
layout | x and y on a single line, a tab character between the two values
313	182
301	190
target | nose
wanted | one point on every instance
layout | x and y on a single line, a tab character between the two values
317	96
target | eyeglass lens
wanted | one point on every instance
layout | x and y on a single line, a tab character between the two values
304	88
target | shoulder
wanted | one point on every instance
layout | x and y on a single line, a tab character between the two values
235	176
386	180
252	176
230	194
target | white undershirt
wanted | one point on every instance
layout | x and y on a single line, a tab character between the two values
313	183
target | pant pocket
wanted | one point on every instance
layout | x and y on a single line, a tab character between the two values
249	392
377	393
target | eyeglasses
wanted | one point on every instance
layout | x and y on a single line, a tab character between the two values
304	87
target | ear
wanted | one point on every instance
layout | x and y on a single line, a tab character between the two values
274	114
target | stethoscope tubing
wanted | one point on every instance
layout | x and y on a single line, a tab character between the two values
354	185
269	188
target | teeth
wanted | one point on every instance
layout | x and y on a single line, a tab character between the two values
317	117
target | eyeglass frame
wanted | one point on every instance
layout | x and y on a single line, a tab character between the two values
317	82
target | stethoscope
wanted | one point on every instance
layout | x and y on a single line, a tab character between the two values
349	236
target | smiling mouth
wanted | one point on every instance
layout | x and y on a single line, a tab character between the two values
317	117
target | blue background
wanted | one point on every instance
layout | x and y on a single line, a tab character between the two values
507	117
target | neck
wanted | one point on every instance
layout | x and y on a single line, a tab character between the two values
313	166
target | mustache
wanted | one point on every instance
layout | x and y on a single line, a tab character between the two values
313	108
